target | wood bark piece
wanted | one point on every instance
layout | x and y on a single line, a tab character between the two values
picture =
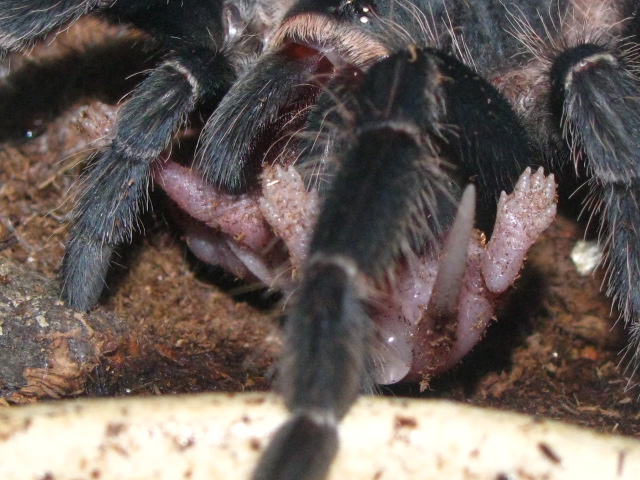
46	349
213	436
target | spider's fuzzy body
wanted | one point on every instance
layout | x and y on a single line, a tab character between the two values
386	109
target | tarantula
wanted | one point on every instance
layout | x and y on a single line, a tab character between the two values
370	118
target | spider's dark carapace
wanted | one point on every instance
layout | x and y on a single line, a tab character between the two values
336	162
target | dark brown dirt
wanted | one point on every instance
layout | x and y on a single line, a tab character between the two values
554	351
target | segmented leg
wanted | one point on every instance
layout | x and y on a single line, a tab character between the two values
250	120
596	94
394	192
118	179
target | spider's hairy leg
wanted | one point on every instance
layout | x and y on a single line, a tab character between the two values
255	121
118	178
596	94
22	22
393	194
245	121
328	327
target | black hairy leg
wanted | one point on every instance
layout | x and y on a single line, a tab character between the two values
584	109
117	181
118	178
600	95
406	171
